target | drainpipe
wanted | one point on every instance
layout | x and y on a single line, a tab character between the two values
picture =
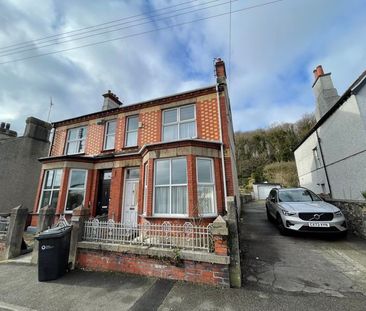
324	165
222	147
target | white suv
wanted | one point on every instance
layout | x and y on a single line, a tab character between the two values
299	209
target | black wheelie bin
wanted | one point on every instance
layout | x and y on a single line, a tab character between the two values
53	253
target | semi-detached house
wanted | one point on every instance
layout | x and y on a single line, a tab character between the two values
170	158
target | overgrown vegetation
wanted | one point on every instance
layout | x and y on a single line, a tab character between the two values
267	154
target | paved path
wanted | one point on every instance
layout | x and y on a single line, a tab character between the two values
300	263
281	273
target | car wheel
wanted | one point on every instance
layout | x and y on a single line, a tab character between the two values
269	216
343	234
281	227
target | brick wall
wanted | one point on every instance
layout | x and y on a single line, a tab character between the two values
58	142
186	270
95	139
207	118
150	132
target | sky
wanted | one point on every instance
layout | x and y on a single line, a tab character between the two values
274	49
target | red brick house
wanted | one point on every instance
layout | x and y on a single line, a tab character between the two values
170	158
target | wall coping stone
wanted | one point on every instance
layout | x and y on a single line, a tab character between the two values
156	252
346	201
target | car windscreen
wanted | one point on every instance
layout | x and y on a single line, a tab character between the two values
297	195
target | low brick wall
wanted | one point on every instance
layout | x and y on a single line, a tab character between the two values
355	214
208	268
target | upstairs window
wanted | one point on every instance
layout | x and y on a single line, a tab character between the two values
131	131
171	187
205	187
75	142
51	188
110	133
179	123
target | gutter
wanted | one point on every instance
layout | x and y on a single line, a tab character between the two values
221	147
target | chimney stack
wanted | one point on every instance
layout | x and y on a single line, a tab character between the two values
111	101
325	93
37	129
220	71
6	132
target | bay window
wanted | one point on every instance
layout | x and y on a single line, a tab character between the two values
109	136
51	188
205	187
76	189
179	123
75	142
131	131
171	187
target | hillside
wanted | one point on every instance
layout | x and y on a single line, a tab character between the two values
267	154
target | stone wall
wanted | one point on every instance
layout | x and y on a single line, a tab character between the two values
355	213
19	164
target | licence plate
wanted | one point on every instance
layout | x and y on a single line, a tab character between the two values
318	224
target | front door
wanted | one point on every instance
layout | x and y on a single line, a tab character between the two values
130	197
104	188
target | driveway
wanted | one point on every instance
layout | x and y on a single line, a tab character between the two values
299	263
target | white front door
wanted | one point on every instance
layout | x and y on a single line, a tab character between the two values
130	202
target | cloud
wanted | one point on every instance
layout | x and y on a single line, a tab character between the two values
274	49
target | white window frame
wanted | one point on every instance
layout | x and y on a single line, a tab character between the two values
131	131
52	190
178	122
78	140
170	215
213	183
68	188
146	172
107	135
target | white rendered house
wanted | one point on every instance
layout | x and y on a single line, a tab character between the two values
332	157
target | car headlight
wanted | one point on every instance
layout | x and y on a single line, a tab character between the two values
338	214
287	213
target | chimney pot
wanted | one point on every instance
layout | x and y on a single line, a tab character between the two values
7	126
2	125
318	71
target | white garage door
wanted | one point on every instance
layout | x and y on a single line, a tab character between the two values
263	192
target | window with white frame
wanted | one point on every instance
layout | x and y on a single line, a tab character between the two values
75	142
145	186
109	135
51	188
205	187
76	189
131	131
171	187
179	123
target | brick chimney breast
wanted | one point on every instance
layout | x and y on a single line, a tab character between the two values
220	71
